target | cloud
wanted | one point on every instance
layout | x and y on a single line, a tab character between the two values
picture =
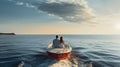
76	11
19	3
23	3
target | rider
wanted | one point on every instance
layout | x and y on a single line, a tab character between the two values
56	42
61	42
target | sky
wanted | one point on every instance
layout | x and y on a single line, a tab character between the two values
60	16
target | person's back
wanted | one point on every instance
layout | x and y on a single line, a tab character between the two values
61	42
56	42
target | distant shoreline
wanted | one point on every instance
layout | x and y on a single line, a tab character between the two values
7	33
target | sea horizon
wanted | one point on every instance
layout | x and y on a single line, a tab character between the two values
68	34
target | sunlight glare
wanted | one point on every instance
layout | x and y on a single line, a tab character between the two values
117	26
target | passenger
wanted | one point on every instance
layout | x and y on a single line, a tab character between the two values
61	42
56	42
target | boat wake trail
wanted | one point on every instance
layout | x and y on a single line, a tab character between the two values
44	61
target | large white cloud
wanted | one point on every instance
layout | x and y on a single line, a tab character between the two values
69	10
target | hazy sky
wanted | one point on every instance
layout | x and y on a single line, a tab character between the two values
60	16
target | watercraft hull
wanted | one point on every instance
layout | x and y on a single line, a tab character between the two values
61	56
59	53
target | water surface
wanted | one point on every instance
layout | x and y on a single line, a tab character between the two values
101	50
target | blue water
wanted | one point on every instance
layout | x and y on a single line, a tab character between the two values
101	50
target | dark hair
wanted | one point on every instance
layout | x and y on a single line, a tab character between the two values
61	40
56	36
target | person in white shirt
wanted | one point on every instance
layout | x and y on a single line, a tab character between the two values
56	42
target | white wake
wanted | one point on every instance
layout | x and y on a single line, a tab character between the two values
72	62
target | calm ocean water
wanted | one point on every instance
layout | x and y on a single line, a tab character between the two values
30	50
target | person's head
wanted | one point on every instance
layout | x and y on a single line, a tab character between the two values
61	38
56	36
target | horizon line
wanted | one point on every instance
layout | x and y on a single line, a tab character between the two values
62	34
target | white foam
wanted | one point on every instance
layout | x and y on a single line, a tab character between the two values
72	62
21	64
55	63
